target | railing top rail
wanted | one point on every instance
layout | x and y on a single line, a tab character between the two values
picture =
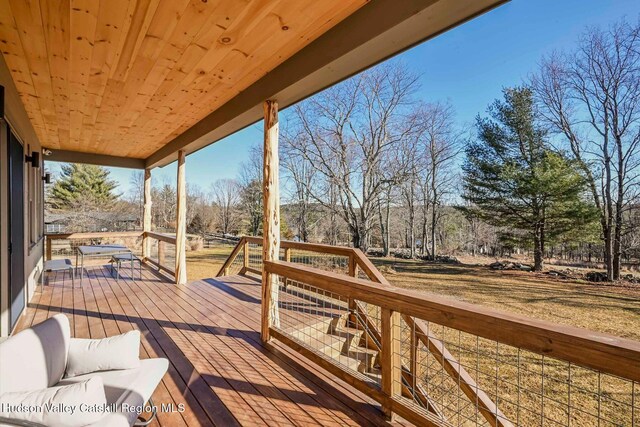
92	235
306	246
599	351
161	236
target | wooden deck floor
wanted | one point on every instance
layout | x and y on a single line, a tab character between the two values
220	371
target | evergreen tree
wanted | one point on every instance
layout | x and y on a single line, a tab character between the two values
514	180
83	186
197	225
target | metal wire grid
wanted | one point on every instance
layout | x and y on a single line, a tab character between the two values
255	256
528	389
327	262
320	320
169	251
66	248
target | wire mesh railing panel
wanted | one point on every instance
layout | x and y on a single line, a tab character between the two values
153	250
236	266
321	321
528	389
254	256
312	258
162	253
322	261
67	248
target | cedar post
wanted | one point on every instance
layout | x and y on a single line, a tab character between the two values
353	272
271	219
48	243
390	358
146	222
160	252
181	223
245	256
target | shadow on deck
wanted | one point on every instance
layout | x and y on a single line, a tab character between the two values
220	372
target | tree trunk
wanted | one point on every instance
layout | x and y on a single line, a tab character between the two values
434	219
424	234
538	262
608	252
383	217
617	237
412	235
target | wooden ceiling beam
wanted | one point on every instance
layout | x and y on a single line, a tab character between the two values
93	159
375	32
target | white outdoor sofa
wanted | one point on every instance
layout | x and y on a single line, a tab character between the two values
40	357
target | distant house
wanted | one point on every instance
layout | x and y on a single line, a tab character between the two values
68	222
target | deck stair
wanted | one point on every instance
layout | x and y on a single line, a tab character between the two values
332	337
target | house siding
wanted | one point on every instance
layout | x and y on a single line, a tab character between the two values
15	117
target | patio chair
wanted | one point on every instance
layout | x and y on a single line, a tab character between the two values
43	364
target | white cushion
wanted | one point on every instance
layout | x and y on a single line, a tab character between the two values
72	405
126	389
118	352
36	357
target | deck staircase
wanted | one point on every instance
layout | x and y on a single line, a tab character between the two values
355	344
337	340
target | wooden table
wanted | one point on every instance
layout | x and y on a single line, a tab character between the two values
98	251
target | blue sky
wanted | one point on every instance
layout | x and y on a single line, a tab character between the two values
467	66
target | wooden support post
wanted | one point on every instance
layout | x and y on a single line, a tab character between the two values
146	222
353	266
287	254
390	357
271	220
245	256
181	223
353	272
160	252
49	249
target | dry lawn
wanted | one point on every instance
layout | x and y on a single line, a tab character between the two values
604	308
206	262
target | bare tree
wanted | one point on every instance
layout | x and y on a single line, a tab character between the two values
136	192
199	210
592	98
438	145
164	205
251	190
347	133
226	195
302	177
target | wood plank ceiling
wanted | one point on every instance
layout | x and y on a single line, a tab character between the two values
124	77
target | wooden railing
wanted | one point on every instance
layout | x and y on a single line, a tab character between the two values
602	354
147	242
413	332
87	237
162	241
286	246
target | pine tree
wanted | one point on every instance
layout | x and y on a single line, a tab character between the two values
83	186
513	179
